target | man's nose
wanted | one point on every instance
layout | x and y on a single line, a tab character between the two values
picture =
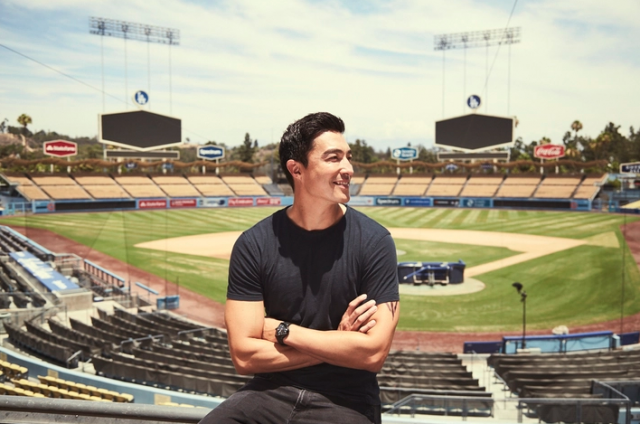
347	168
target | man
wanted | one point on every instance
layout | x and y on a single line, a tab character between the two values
326	276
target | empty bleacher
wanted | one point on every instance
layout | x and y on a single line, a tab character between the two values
102	187
210	185
378	185
140	186
589	187
481	186
557	187
176	186
27	188
433	377
412	186
518	186
244	185
446	186
60	187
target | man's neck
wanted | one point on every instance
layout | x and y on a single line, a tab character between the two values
313	217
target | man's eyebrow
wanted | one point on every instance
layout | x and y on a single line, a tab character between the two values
333	151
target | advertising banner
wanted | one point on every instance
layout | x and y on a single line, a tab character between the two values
183	203
60	148
549	151
361	201
446	202
240	201
475	203
417	201
212	202
388	201
268	201
152	204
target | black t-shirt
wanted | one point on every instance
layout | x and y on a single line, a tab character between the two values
308	278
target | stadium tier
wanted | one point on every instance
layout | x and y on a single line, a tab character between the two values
378	186
446	186
244	185
412	186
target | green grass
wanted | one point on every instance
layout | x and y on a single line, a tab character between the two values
576	286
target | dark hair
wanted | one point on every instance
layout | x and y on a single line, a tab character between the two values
297	140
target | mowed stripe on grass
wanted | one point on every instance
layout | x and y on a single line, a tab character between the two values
576	286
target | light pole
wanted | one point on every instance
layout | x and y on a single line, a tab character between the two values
523	299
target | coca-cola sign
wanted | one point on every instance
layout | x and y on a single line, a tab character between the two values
60	148
549	151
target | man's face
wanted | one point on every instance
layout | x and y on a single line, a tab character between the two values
329	169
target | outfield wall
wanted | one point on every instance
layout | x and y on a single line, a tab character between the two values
43	207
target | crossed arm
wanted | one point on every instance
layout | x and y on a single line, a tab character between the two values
362	341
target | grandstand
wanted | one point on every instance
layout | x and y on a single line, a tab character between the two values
210	185
518	186
244	185
412	186
446	186
176	186
378	185
481	186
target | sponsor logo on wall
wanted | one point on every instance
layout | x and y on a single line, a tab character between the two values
388	201
241	201
417	202
268	201
183	203
361	201
476	203
212	202
152	204
446	202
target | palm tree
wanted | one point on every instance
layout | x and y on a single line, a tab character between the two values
544	140
576	126
24	120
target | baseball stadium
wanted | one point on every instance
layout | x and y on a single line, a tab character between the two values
518	264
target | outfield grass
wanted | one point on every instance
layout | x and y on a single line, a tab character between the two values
575	286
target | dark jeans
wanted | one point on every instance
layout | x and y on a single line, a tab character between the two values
262	401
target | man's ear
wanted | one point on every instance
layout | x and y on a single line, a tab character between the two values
294	168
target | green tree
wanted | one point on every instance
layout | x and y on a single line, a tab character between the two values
361	152
246	151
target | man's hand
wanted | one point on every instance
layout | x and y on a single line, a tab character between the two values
358	318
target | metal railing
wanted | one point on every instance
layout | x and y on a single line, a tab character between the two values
17	409
460	406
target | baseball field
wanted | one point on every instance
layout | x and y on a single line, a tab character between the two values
575	267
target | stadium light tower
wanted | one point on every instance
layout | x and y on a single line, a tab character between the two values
466	40
523	299
135	31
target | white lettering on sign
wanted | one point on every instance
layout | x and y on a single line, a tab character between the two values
59	284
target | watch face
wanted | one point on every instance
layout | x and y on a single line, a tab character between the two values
282	331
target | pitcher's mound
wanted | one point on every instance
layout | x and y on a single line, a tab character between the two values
470	285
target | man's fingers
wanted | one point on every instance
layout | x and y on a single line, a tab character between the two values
368	326
368	313
355	302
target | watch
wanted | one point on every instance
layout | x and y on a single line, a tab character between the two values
282	331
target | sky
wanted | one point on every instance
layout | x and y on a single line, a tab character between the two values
251	66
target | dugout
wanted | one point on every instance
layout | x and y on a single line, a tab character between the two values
431	273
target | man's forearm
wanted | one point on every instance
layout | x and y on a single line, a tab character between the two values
343	348
351	349
262	356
